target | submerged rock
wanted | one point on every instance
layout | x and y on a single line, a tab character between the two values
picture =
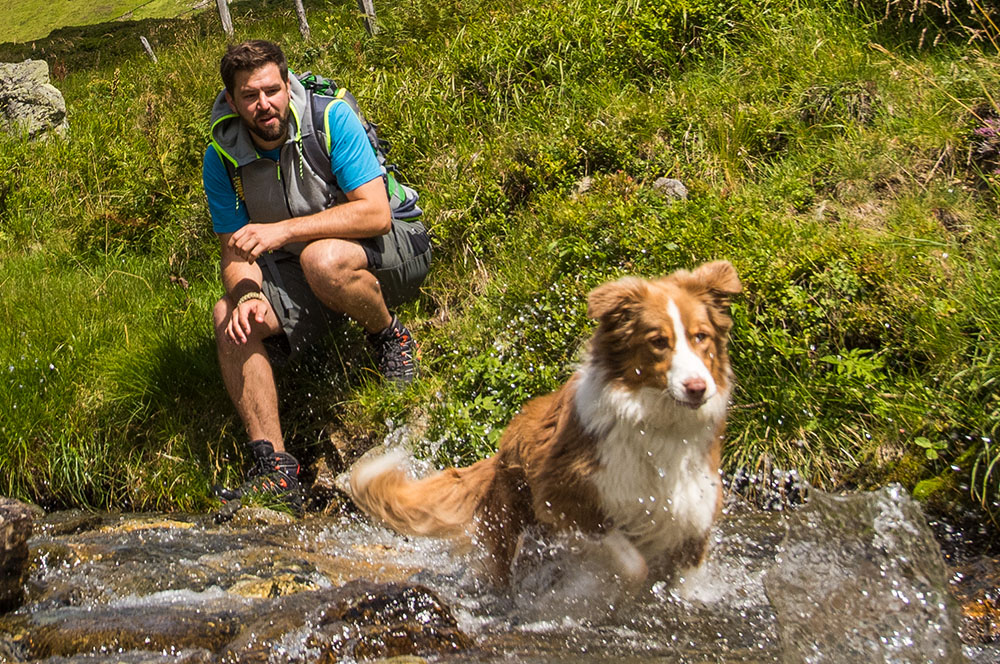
360	620
15	529
861	579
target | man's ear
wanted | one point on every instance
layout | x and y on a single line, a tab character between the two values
229	100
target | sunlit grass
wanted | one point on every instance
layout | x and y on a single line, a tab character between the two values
834	176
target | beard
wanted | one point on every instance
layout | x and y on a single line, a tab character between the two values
270	133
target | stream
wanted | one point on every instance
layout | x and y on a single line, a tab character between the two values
855	578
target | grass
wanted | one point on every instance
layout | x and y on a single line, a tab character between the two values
29	20
851	185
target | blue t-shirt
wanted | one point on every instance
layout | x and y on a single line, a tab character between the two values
351	158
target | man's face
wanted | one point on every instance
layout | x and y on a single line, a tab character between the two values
260	97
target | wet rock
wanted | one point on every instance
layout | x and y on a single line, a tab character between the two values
138	657
69	632
275	586
671	188
15	529
361	620
394	620
28	102
861	579
323	492
133	525
976	586
260	516
69	522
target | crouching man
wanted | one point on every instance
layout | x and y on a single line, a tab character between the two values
300	246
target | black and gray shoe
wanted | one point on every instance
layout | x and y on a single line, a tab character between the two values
395	352
273	474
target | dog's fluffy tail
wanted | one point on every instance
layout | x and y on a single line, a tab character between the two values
442	505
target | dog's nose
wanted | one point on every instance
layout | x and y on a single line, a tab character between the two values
695	388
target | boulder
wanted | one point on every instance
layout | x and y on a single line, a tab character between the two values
15	529
671	188
28	101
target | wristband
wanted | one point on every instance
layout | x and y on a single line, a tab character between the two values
252	295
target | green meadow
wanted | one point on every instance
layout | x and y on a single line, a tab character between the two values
27	20
843	155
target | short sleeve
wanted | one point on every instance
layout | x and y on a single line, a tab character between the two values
351	155
229	214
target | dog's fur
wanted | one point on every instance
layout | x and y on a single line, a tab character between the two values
628	448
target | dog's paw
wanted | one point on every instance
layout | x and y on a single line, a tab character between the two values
629	563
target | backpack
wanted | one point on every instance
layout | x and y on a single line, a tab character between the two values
321	91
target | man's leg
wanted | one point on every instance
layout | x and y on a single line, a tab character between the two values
247	374
337	272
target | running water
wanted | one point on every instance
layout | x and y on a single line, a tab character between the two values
843	579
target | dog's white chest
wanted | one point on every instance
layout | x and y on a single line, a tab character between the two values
659	490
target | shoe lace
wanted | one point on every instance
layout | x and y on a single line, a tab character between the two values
396	352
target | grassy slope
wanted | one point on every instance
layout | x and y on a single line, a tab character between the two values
28	20
841	180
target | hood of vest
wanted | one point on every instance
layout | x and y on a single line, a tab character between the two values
231	138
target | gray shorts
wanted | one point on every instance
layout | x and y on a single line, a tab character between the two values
399	260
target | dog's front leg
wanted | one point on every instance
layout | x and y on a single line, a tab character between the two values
629	563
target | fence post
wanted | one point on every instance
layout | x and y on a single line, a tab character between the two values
367	8
149	49
303	23
227	20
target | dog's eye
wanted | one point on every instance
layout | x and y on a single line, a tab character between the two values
660	342
700	337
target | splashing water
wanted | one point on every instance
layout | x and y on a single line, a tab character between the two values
843	579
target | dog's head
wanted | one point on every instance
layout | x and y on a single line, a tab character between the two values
669	334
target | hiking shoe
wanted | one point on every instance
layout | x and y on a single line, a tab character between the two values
395	352
273	473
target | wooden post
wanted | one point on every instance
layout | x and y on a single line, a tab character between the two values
303	23
149	49
227	20
367	8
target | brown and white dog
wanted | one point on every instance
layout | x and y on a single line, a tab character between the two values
628	449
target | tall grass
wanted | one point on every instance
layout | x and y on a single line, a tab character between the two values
837	177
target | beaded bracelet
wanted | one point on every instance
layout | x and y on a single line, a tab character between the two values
252	295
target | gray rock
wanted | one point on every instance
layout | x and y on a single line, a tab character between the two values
671	188
15	529
28	101
861	579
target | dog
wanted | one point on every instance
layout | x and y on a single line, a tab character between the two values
627	450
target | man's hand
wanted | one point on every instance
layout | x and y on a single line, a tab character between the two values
253	240
239	327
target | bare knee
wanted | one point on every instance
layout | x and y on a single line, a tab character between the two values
331	265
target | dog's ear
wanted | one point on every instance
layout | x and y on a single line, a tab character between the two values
616	299
720	280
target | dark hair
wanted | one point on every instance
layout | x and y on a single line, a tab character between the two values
248	56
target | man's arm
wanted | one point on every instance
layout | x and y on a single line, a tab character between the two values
239	278
365	214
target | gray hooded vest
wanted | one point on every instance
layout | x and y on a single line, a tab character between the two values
273	191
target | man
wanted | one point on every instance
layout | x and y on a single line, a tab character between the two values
299	247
